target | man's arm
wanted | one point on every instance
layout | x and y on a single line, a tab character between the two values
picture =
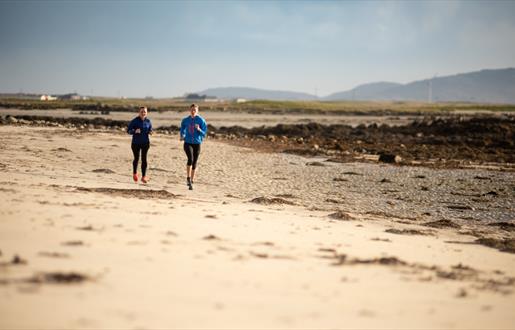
203	128
182	131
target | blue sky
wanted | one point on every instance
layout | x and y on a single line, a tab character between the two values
164	49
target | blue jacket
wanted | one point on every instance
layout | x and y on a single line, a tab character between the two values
144	125
188	131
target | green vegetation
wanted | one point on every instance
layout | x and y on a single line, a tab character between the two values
370	106
112	104
257	106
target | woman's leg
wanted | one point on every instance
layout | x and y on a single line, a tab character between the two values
135	151
144	151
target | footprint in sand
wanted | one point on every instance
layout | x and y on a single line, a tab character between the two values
61	149
73	243
366	313
315	164
442	224
408	232
139	193
103	170
377	239
271	201
136	243
16	260
340	215
211	238
58	278
87	228
264	243
53	254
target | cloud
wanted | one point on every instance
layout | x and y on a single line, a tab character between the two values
438	15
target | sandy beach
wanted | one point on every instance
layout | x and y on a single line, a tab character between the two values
356	164
265	240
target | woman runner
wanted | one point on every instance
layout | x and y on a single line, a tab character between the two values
140	128
193	131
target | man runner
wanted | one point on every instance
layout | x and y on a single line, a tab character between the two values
193	131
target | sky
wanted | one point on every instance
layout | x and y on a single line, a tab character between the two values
169	48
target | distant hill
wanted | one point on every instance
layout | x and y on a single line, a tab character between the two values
485	86
255	94
362	92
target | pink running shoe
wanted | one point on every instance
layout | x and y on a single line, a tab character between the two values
135	177
145	179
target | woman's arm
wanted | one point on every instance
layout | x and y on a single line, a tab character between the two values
131	128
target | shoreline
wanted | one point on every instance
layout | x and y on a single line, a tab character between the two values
453	142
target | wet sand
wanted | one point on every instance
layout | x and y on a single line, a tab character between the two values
266	240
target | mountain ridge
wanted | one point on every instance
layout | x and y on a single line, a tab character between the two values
256	93
483	86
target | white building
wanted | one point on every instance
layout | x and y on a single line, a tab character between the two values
212	99
46	97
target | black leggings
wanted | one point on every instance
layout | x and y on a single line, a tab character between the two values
135	150
192	151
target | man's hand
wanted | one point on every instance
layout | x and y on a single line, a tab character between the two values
197	127
137	131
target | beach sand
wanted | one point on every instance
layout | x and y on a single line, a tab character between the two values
265	240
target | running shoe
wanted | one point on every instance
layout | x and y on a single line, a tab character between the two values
135	177
144	179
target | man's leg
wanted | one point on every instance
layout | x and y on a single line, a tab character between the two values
196	153
189	153
188	171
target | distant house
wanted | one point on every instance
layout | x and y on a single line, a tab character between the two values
241	100
71	96
201	98
211	99
194	97
46	97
